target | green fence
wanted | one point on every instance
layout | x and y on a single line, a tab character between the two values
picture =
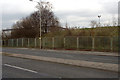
98	43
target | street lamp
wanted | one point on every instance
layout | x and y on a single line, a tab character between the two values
99	16
46	5
40	35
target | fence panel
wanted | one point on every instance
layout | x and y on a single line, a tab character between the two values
115	44
37	43
25	42
10	43
47	42
58	42
85	43
70	42
31	42
14	43
20	42
103	43
5	43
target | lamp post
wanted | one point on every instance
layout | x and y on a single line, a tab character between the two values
48	6
40	35
99	16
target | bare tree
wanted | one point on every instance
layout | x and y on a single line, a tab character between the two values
114	21
93	24
29	26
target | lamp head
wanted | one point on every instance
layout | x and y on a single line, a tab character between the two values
99	16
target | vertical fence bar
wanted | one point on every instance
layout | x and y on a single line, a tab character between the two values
64	42
111	43
28	42
93	43
43	42
7	42
77	42
35	42
22	42
17	42
3	42
12	42
53	42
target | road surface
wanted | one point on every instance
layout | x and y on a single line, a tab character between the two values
73	56
24	68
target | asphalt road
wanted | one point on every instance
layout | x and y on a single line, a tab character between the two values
24	68
94	58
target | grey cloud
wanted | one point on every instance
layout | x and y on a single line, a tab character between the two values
81	13
7	18
83	17
110	7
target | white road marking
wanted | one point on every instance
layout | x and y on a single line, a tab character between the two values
20	68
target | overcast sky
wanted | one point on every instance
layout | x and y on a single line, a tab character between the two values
74	12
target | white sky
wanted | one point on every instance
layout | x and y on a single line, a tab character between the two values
74	12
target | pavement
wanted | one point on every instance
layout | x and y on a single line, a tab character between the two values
97	65
26	68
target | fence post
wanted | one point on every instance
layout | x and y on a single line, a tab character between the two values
77	42
43	42
22	42
12	42
17	42
35	42
7	42
3	42
28	42
64	42
111	43
53	42
93	43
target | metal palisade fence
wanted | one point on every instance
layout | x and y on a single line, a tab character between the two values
97	43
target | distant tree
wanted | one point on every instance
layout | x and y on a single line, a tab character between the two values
114	21
93	24
30	26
